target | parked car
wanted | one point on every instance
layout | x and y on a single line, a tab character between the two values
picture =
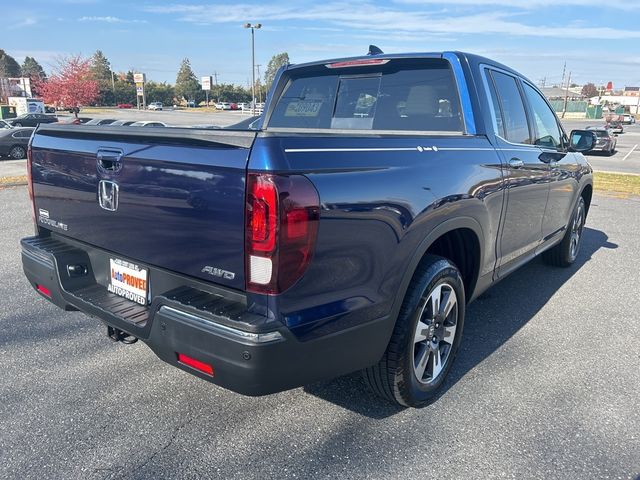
4	124
125	105
606	141
223	106
615	126
628	119
191	104
31	120
148	123
49	109
62	108
74	120
122	123
101	121
155	106
337	240
14	141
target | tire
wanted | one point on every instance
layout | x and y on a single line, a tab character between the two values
410	353
17	152
566	252
17	124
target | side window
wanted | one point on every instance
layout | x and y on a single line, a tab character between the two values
513	113
548	132
497	113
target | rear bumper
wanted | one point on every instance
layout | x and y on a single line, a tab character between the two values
250	354
602	148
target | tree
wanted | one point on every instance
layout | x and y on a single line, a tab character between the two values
34	71
125	92
187	85
9	68
589	90
101	71
160	92
71	84
275	63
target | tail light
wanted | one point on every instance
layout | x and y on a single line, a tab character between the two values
282	214
30	183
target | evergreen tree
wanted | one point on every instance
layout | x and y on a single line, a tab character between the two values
32	69
101	71
187	85
9	68
275	63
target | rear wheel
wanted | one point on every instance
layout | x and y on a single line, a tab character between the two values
426	336
18	153
17	124
566	252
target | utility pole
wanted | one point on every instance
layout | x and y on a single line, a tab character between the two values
564	69
566	96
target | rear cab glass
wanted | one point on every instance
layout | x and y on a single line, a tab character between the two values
414	95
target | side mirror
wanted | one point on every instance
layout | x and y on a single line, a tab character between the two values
581	140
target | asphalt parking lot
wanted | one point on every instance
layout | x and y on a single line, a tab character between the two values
546	385
627	156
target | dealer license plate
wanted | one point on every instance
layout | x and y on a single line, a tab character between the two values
128	280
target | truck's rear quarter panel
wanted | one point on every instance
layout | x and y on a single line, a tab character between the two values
380	197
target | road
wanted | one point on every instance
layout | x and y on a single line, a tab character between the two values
546	385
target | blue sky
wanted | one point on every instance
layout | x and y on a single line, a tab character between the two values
535	37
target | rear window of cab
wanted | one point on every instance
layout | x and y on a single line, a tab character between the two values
400	95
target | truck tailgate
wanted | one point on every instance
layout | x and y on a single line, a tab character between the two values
167	197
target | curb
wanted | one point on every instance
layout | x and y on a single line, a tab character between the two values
14	181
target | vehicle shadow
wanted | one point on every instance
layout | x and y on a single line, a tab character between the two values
490	322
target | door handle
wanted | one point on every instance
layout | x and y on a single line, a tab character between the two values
516	163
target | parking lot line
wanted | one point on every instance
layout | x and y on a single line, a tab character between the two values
630	152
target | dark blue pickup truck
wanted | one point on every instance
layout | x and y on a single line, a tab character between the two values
377	197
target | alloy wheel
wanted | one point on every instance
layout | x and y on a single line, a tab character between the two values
17	153
576	231
435	332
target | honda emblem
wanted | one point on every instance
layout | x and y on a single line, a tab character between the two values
108	195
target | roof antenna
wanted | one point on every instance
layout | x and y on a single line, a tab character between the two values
373	50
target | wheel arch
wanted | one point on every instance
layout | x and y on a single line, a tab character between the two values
436	242
587	195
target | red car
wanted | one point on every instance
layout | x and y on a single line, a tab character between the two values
125	105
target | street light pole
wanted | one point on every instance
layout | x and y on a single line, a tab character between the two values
253	63
113	87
